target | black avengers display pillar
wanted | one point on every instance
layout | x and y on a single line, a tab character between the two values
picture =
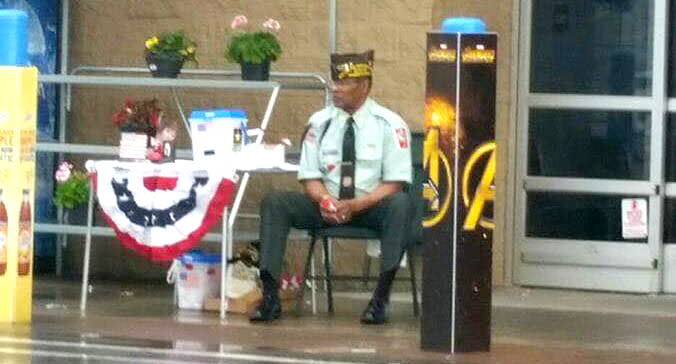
459	162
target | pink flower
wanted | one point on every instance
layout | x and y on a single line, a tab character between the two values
238	20
62	175
272	24
63	172
65	165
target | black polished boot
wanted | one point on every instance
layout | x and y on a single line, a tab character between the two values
270	307
376	311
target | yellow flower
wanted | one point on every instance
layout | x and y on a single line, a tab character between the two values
151	42
191	50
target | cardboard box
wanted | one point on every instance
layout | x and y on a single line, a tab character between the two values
241	305
288	299
248	302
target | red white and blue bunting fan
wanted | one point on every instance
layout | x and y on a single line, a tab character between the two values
160	210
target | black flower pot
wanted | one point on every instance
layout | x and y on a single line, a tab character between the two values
256	72
161	65
75	216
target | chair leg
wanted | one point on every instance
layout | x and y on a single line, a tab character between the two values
313	285
414	283
327	268
366	270
306	269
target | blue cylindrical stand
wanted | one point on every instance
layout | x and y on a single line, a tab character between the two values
13	38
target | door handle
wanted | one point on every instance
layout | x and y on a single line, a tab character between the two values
656	189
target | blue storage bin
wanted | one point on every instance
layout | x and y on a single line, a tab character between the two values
197	257
199	279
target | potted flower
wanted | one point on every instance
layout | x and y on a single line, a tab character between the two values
166	53
72	188
253	49
138	121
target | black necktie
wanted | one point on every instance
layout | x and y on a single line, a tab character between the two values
347	167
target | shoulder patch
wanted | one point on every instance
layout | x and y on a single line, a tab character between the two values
402	137
309	136
317	125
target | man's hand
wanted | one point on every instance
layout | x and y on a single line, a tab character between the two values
328	208
344	211
328	204
335	212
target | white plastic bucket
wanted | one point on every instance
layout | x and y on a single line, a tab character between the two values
198	279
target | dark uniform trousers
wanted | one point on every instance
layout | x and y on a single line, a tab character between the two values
282	210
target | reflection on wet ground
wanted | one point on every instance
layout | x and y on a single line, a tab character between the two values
138	323
111	350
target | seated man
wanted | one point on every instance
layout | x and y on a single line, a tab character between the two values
355	161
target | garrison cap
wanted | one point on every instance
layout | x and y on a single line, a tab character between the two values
351	65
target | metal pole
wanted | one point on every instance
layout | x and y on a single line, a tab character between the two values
313	287
177	101
60	243
268	113
238	199
87	253
259	139
333	12
197	72
224	262
61	240
65	28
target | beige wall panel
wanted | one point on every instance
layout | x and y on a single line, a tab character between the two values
111	33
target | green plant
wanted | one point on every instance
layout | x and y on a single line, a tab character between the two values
72	187
175	45
246	46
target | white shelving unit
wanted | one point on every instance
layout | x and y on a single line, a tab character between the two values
66	80
227	236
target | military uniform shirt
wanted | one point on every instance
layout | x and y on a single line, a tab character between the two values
382	144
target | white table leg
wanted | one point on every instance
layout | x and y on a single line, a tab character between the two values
87	253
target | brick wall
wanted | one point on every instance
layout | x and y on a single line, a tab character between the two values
111	33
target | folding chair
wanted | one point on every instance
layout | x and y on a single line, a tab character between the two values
361	233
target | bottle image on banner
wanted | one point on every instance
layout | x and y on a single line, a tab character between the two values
3	236
237	140
25	235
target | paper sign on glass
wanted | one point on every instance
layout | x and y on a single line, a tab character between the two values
634	218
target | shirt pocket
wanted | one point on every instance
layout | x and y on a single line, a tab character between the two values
329	159
369	167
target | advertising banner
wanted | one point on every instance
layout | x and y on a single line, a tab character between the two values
18	107
42	51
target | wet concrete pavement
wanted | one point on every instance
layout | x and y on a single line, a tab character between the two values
137	323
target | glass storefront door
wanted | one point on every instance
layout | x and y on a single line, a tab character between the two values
594	135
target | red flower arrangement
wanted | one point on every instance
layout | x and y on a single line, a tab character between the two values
139	116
